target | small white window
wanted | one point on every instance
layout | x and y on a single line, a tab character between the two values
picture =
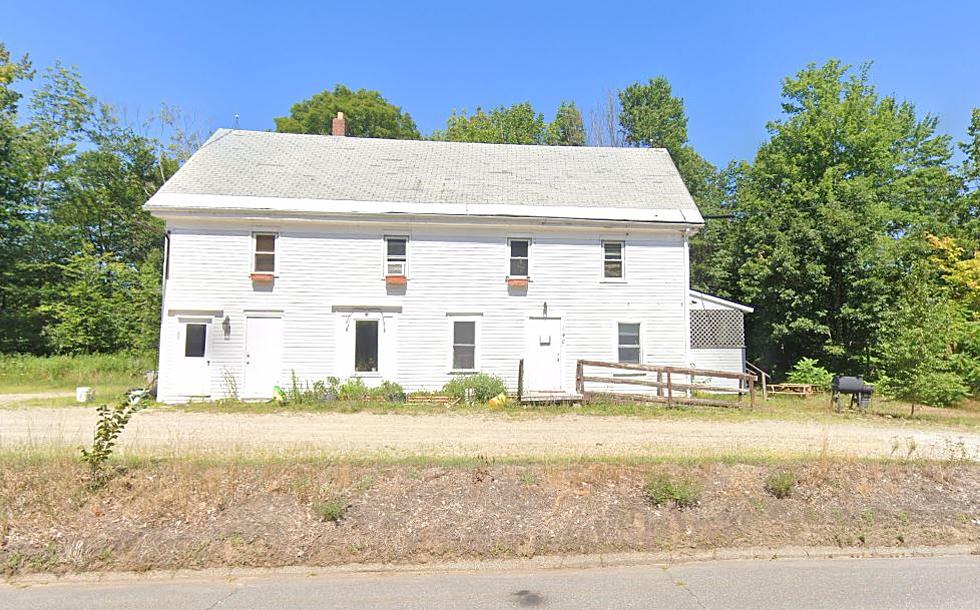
396	256
612	259
464	345
629	342
264	259
520	258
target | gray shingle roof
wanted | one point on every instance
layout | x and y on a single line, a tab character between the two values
264	164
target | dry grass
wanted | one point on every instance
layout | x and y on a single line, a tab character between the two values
176	513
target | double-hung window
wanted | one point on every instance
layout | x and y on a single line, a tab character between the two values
464	345
629	342
264	255
613	260
396	256
520	258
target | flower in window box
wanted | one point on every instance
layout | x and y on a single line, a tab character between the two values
517	282
262	277
396	280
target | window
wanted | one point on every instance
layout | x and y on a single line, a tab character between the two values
520	250
612	259
265	253
396	256
366	346
195	339
464	345
629	342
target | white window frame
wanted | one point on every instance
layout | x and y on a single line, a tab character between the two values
476	319
353	354
386	260
622	260
639	339
510	257
275	251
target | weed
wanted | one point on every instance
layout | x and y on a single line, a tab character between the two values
780	483
682	492
528	478
110	425
332	510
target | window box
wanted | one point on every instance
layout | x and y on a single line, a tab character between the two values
262	277
518	282
396	280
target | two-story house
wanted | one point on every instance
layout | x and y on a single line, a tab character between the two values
417	261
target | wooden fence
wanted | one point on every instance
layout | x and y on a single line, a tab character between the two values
668	389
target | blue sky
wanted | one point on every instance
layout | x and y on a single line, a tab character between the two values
726	59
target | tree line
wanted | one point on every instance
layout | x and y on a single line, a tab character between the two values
853	230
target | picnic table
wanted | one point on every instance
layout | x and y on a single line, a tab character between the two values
792	389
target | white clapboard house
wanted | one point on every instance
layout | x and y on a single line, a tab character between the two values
417	261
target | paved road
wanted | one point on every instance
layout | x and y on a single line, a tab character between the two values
451	435
944	582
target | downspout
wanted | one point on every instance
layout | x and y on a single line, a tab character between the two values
687	302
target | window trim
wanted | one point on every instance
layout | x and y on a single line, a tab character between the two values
275	252
639	339
385	260
477	338
511	257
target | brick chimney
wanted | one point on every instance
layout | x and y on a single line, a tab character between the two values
339	127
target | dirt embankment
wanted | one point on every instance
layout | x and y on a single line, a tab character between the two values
177	514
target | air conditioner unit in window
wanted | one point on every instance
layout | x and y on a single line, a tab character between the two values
395	269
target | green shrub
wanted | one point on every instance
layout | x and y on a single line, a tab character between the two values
808	370
484	387
388	391
939	389
662	489
333	509
780	483
352	389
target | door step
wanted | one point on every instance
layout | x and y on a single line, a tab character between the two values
550	397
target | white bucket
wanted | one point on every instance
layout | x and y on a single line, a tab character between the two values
84	394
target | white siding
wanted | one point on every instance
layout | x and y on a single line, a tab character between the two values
327	273
718	359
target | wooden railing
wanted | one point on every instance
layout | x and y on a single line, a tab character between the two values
668	390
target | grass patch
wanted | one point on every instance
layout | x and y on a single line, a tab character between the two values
23	373
682	492
780	483
332	510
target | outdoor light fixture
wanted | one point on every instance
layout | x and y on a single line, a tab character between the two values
226	326
544	309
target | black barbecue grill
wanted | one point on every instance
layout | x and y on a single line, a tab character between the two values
859	390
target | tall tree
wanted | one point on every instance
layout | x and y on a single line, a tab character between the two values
827	216
368	114
567	129
517	124
652	116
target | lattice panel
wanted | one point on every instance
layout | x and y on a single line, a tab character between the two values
716	328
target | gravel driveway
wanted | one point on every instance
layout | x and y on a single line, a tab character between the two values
452	435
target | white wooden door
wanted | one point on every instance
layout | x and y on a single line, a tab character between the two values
263	355
542	355
194	363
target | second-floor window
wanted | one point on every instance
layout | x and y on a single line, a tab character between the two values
264	259
520	258
612	260
396	256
